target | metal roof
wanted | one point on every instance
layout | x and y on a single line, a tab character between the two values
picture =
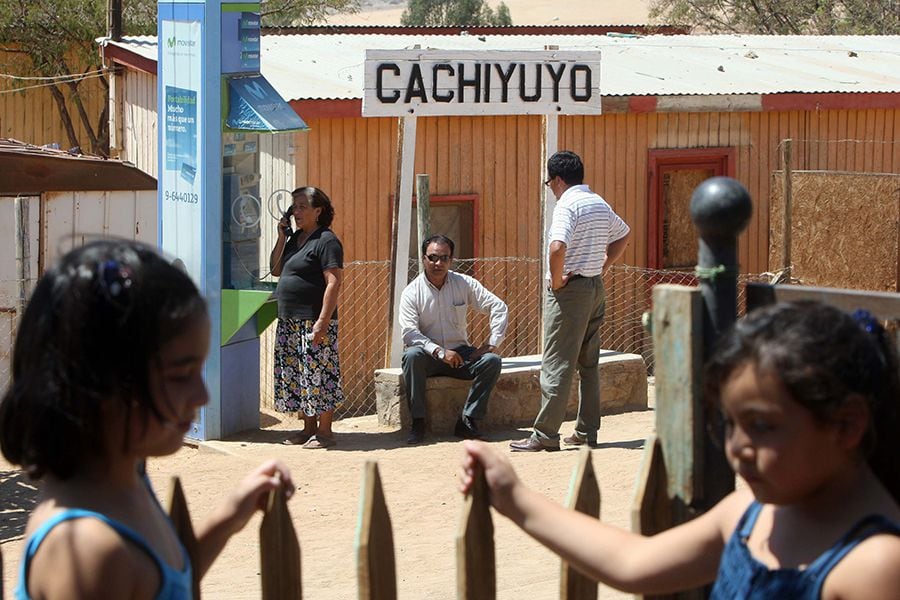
307	67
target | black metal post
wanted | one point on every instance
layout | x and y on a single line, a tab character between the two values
720	209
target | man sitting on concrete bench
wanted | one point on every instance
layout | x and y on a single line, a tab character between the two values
433	323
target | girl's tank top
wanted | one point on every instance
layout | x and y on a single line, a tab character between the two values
741	576
175	585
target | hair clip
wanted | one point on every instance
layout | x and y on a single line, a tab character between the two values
867	321
114	278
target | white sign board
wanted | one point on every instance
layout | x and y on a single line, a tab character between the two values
404	83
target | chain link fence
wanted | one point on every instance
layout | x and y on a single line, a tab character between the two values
364	309
518	281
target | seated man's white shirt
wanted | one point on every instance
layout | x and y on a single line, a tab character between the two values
432	317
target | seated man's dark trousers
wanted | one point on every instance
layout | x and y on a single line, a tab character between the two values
483	372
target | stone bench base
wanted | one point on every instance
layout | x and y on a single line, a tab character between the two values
516	397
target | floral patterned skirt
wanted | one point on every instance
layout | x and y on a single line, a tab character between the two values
307	376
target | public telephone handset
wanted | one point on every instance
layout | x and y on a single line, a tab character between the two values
287	215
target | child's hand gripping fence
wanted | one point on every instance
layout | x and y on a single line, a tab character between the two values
376	571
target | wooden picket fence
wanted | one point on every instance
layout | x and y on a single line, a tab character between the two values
376	571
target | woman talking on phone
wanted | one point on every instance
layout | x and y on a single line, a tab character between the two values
309	262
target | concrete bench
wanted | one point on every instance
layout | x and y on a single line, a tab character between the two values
517	395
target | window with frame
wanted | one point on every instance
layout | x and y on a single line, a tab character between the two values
454	216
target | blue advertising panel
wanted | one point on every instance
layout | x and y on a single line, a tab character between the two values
181	128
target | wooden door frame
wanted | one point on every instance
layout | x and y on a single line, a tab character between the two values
721	160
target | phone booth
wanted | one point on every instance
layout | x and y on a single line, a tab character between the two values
214	104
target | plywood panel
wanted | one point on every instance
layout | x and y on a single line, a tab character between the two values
830	250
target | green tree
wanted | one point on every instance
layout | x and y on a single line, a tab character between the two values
504	19
799	17
442	13
57	37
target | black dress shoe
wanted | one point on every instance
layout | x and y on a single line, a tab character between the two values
467	429
530	444
416	432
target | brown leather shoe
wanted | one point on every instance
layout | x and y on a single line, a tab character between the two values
576	440
530	444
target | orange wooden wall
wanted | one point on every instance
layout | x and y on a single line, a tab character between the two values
498	158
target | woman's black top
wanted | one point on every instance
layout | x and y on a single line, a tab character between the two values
301	286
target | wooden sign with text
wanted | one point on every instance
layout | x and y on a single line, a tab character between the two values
403	83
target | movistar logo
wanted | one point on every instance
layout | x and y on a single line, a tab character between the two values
174	41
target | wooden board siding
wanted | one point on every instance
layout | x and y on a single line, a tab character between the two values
495	158
139	123
72	219
31	115
615	151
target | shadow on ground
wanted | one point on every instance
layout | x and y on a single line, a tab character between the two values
19	496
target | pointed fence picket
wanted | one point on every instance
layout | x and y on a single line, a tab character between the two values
476	577
279	551
584	496
181	521
376	570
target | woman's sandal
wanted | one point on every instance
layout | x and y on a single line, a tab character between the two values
298	439
320	441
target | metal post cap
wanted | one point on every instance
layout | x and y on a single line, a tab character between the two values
720	206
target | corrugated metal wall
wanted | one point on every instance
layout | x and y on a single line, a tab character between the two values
31	115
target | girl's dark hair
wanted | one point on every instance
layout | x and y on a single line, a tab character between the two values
93	327
822	355
318	199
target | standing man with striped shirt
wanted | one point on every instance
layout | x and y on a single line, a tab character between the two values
585	237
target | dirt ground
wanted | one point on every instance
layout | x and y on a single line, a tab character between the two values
419	486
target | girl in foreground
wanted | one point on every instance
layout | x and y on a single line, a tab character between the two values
107	372
810	401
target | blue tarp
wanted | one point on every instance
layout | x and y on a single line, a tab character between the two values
254	105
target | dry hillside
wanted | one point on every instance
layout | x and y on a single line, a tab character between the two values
524	12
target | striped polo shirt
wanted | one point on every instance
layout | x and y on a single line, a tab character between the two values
586	224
